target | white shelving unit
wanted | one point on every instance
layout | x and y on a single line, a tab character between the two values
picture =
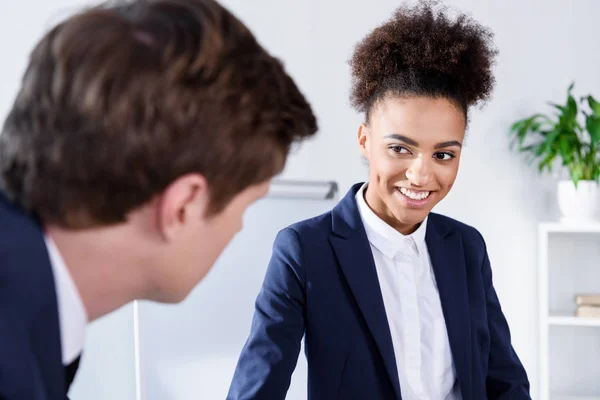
569	352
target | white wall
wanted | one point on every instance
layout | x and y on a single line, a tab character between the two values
544	45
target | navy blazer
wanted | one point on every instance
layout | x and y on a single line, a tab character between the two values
321	282
30	349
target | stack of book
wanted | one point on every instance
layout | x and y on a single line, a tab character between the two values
588	305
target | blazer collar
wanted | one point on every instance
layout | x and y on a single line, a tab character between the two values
346	219
383	236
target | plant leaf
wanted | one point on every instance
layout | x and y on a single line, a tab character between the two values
522	128
592	124
549	143
546	163
594	105
560	108
576	173
571	113
566	151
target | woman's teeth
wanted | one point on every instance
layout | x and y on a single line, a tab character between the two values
420	195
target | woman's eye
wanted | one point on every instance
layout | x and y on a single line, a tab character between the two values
444	156
399	149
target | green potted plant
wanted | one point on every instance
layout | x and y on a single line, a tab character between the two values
569	138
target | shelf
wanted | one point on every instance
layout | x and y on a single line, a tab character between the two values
567	319
565	339
567	227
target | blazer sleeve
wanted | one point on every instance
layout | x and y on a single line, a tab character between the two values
270	354
506	378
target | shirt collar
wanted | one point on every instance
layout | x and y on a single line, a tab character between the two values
385	238
72	314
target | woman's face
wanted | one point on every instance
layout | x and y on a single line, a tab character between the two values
413	145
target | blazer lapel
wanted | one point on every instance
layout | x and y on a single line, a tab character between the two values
45	339
446	253
30	264
353	252
45	329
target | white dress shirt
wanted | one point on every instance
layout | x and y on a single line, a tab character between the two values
413	308
72	315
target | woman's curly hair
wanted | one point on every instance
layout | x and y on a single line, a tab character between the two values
420	51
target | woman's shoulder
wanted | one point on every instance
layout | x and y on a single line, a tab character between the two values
312	226
309	233
468	233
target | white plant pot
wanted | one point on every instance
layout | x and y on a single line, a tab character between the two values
581	203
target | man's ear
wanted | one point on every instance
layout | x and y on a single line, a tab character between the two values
362	137
184	201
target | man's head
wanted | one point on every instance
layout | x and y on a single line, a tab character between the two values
166	114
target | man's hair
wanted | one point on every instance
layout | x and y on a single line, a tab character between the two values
118	101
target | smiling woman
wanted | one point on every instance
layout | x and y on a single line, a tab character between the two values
415	78
395	301
413	146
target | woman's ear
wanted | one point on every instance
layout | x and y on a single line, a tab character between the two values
363	139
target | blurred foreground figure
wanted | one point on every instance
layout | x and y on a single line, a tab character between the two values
140	135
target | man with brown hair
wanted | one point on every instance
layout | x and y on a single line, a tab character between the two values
140	135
